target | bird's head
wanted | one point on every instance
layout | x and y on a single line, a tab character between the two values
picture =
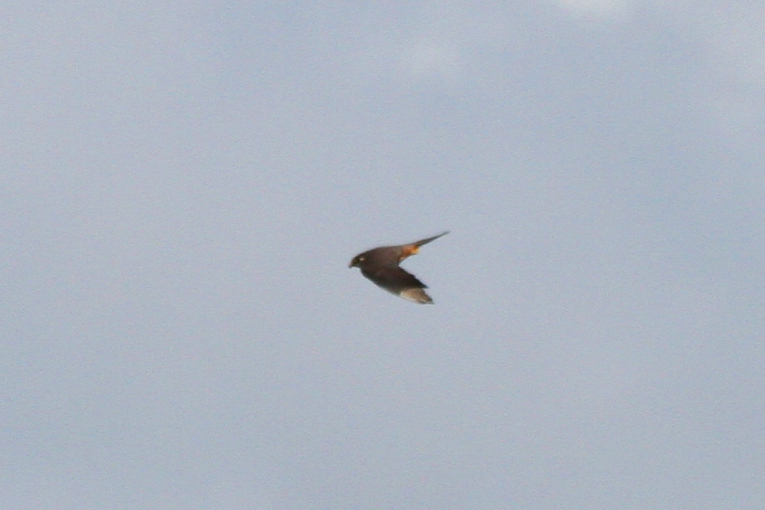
358	259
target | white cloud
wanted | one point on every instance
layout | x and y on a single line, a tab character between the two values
438	42
735	38
432	58
599	9
733	46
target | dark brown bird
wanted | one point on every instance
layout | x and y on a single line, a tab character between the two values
381	265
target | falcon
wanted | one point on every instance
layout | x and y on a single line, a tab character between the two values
381	265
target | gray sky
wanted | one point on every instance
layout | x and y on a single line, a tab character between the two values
184	183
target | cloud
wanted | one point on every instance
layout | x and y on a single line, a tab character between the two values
432	58
437	43
732	44
735	38
598	9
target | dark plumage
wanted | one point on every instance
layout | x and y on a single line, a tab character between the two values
381	265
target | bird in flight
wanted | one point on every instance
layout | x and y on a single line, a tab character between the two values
381	265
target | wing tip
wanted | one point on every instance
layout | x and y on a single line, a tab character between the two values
416	295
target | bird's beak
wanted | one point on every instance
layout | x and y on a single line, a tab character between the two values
351	264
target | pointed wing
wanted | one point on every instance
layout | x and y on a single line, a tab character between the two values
429	239
399	282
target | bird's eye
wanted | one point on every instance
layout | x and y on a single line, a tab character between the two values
361	259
